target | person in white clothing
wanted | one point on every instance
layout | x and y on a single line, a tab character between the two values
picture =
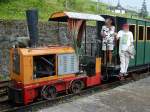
126	41
107	33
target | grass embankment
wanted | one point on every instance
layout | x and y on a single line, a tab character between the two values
15	9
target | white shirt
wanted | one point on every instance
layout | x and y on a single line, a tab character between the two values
126	39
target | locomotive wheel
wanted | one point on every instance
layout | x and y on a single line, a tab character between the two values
77	86
48	92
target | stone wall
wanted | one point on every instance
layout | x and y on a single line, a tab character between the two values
10	31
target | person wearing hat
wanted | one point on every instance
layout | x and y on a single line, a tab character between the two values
125	44
107	33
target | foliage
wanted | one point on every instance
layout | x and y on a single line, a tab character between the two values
15	9
74	42
144	12
4	1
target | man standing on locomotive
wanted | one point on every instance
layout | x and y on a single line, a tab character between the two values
107	33
125	49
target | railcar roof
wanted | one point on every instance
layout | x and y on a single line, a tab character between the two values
64	16
139	19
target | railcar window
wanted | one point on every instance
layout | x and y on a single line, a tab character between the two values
44	66
132	28
141	33
148	33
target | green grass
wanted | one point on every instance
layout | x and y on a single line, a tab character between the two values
15	9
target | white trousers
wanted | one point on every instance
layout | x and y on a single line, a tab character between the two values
124	61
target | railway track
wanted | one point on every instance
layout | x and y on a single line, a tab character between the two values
8	107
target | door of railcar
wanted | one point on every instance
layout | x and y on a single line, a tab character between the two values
140	43
133	28
99	40
147	44
107	69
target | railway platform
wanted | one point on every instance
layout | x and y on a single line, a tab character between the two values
132	97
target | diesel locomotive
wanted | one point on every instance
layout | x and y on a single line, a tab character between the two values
42	72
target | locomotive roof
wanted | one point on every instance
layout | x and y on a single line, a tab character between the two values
64	16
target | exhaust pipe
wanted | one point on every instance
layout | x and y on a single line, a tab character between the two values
32	22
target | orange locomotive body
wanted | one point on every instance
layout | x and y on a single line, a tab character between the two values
28	82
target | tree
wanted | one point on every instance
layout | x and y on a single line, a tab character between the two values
4	1
144	12
69	4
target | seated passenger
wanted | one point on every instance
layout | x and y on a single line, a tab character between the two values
108	33
126	49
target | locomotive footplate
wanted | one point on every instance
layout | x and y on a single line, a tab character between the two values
111	70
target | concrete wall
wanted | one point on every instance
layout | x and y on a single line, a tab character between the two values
10	31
